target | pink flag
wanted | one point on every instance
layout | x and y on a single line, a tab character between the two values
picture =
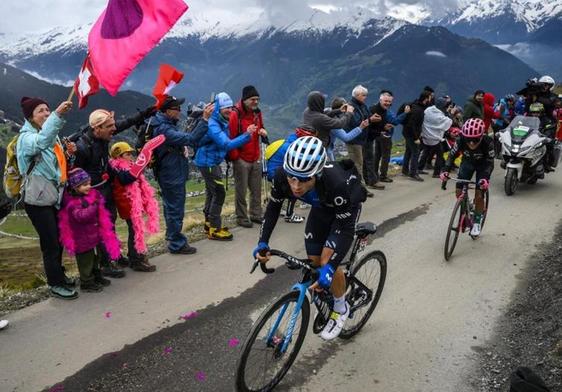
125	32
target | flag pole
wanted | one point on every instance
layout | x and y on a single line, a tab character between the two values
71	94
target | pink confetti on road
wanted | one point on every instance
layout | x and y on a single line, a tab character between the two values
108	315
125	365
233	342
167	350
189	315
201	376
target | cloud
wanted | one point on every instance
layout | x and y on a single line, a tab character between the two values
435	53
36	15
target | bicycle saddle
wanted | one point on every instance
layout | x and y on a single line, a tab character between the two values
365	228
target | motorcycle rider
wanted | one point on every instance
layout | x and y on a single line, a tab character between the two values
478	156
547	128
546	96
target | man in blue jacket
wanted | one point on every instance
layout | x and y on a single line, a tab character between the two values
211	153
172	167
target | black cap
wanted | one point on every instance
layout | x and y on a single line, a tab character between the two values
171	102
249	92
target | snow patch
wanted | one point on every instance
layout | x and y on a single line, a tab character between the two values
435	53
68	83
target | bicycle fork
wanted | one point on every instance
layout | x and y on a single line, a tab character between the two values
302	289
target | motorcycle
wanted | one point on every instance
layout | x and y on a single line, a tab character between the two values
524	152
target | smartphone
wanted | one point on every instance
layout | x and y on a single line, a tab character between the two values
212	98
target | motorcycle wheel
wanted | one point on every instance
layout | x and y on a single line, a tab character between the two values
511	182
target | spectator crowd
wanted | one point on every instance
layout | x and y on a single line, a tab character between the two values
74	189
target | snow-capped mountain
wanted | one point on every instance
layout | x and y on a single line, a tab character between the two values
252	22
502	21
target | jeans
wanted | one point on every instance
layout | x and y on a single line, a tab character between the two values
215	195
45	222
383	149
173	201
247	176
411	157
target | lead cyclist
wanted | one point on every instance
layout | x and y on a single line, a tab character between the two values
334	191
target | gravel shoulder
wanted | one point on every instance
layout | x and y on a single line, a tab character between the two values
530	331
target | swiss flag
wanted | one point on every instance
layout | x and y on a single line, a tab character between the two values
86	84
168	78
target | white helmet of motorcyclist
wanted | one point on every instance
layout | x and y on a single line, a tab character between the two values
547	80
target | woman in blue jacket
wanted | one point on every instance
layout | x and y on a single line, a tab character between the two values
212	151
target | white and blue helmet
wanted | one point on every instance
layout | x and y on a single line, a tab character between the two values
305	157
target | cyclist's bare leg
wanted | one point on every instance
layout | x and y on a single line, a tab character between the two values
479	201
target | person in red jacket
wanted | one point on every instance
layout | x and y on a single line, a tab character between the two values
489	113
246	159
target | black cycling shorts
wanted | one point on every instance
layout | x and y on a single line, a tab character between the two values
467	170
319	227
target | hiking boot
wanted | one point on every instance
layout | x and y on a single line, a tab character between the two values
123	261
141	264
416	178
335	324
112	271
376	186
69	281
386	179
244	223
63	292
185	250
221	234
257	220
294	219
207	227
102	281
91	287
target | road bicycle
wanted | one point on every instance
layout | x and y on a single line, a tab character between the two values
276	337
462	218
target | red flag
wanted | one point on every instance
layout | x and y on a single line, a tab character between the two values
125	32
86	84
168	78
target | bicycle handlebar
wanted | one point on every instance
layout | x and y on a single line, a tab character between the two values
291	261
444	183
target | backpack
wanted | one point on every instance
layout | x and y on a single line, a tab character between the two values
13	179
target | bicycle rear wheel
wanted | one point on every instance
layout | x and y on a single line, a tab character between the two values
262	363
455	227
365	285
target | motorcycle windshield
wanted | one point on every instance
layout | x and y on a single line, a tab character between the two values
522	126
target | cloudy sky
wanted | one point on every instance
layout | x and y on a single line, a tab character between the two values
37	15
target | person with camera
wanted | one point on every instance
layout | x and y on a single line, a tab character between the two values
172	167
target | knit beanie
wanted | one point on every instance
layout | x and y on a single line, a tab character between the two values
249	92
224	101
441	103
77	177
28	105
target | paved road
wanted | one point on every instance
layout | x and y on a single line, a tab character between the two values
432	316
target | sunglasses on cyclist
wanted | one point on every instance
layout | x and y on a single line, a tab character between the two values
299	179
473	141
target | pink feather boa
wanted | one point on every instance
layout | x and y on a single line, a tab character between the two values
141	196
74	236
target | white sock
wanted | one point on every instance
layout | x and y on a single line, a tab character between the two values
339	304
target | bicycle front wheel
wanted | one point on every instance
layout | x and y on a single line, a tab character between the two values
455	227
366	283
264	361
